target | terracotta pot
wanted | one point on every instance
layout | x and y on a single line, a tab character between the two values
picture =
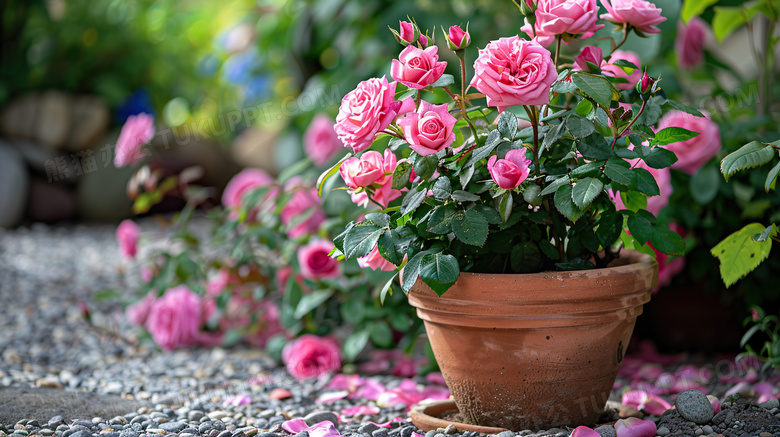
535	351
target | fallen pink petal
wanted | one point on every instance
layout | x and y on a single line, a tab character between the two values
634	427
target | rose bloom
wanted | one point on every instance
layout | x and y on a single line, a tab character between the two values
558	17
513	71
609	69
175	318
374	261
243	182
320	140
640	14
694	153
589	54
137	131
316	262
366	111
138	312
510	172
417	68
310	356
689	44
372	169
302	201
429	129
127	234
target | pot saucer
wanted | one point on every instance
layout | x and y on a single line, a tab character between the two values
428	417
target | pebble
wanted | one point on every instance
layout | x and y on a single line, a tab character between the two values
662	431
694	406
502	434
606	431
321	416
370	428
770	404
171	427
707	429
450	429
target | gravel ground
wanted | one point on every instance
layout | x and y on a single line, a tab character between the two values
45	272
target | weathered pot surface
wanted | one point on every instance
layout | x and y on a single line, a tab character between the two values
535	351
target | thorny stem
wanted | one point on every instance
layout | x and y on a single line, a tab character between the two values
622	41
463	76
557	50
534	119
631	123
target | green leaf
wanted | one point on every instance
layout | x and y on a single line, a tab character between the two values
381	334
633	201
380	219
619	171
411	272
552	136
401	174
671	135
645	182
553	187
465	175
597	88
330	172
355	343
464	196
425	166
505	206
352	311
533	195
739	254
470	227
564	204
748	156
771	178
361	240
442	188
524	257
575	264
440	221
657	157
580	127
106	295
626	66
609	228
413	199
387	288
704	184
388	249
672	104
549	250
439	271
585	191
480	153
444	80
507	125
594	146
312	300
694	8
584	108
728	19
491	214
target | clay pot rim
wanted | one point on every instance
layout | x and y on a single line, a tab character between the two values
426	417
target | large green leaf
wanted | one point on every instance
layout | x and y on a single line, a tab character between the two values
694	8
507	125
440	221
597	88
585	191
312	300
360	240
673	134
411	271
657	157
401	174
619	170
748	156
471	227
355	343
704	184
728	19
413	199
439	271
580	127
739	254
564	204
771	178
387	248
425	166
595	147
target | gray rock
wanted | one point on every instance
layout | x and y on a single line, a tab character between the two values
505	434
81	433
770	404
707	429
450	429
662	431
694	406
606	431
321	416
55	421
171	427
14	185
370	427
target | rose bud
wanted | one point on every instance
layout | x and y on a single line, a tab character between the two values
590	59
457	38
645	85
408	33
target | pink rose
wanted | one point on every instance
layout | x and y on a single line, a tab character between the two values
589	54
610	69
316	262
320	140
512	71
669	268
640	14
558	17
137	131
216	284
429	129
694	153
127	234
374	261
304	203
457	38
689	43
243	182
282	276
138	312
510	172
310	356
409	32
366	111
417	68
374	171
175	318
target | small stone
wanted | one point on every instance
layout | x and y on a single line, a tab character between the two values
215	415
81	433
450	429
225	433
172	427
626	411
380	433
765	434
370	428
662	431
321	416
770	404
698	431
195	415
606	431
707	429
694	406
55	421
268	434
155	431
45	432
505	434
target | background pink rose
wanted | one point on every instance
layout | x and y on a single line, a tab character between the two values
512	71
138	312
609	69
556	17
174	319
429	129
305	202
127	234
137	131
316	263
641	14
310	356
374	260
366	111
689	43
243	182
694	153
510	172
320	140
417	68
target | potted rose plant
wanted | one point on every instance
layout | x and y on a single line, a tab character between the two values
509	227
